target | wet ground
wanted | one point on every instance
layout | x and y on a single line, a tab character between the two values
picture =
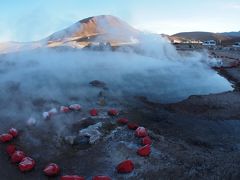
197	138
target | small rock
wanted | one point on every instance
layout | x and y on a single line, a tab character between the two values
70	139
75	107
97	83
10	149
27	164
51	170
122	121
64	109
81	140
46	115
17	156
92	132
112	112
146	140
102	102
101	178
5	138
93	112
31	121
72	177
13	132
132	126
52	111
141	132
144	151
126	166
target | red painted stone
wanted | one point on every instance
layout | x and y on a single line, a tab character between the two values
122	121
13	132
93	112
10	149
17	156
6	137
146	140
64	109
112	112
144	151
51	169
101	178
126	166
72	177
141	132
132	126
27	164
75	107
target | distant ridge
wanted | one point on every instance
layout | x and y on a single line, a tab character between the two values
224	38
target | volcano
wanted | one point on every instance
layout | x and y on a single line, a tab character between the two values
95	30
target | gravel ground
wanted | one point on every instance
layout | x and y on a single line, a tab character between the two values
197	138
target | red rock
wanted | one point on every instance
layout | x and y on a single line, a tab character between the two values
144	151
132	126
51	169
17	156
64	109
10	149
141	132
126	166
27	164
72	177
6	137
122	121
112	112
13	132
75	107
146	140
101	178
93	112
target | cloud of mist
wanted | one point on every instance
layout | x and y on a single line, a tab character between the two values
161	74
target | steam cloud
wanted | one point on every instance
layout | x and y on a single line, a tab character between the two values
49	77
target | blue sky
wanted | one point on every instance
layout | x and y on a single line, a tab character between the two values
27	20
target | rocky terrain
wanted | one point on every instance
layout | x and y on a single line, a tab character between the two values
194	138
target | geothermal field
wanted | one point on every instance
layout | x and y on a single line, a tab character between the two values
102	100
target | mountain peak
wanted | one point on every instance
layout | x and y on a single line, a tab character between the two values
104	28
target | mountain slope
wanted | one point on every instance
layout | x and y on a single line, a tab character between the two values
98	29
